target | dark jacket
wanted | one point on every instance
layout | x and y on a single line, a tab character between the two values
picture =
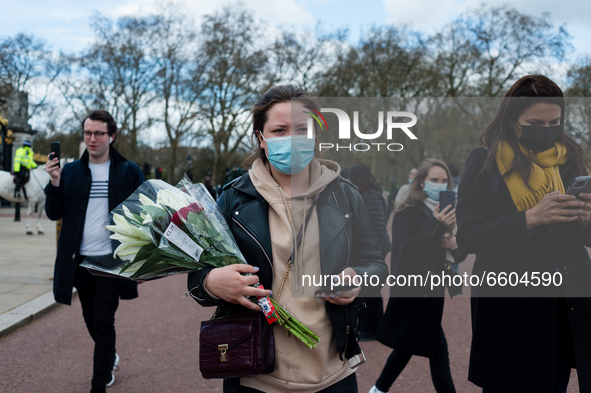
515	339
376	208
412	320
69	202
346	239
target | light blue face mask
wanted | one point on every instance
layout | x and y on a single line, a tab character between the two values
290	154
432	189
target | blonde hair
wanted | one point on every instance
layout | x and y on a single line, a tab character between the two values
416	193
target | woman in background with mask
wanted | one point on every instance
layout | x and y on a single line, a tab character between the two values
293	215
421	235
514	215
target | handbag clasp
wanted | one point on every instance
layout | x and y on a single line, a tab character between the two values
223	348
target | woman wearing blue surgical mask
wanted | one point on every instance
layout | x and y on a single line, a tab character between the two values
293	214
421	239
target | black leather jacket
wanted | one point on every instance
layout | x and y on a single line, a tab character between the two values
347	239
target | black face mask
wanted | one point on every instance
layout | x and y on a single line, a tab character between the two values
537	138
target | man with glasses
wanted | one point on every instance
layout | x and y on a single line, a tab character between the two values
82	194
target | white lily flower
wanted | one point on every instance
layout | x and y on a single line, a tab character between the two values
132	238
174	198
148	202
129	215
147	218
126	245
124	228
127	251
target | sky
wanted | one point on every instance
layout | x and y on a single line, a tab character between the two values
64	24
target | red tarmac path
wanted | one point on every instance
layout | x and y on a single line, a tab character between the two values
158	344
157	339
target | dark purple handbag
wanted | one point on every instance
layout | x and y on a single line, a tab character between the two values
236	346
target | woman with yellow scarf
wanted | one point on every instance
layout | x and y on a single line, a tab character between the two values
514	213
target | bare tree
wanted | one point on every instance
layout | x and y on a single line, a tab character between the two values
27	63
578	105
117	74
304	57
179	79
236	73
512	43
456	58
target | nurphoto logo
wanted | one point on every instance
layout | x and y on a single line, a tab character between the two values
344	122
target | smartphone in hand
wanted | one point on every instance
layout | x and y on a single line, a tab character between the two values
447	198
336	288
581	184
55	152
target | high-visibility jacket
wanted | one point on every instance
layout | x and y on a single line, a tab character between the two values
24	157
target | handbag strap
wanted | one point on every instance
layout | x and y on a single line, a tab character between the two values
283	281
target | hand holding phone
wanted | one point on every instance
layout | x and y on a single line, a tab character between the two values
55	152
581	184
335	289
447	198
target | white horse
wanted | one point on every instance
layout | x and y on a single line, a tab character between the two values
35	193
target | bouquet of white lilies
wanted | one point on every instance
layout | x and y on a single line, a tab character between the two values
162	230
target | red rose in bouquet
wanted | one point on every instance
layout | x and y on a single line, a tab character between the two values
180	216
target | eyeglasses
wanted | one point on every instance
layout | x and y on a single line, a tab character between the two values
98	135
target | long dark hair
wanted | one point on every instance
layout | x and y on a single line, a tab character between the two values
275	95
416	194
525	93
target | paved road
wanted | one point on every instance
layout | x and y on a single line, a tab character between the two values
158	344
26	262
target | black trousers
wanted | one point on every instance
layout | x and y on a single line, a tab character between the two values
21	178
99	297
439	364
347	385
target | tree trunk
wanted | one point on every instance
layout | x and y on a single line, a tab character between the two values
172	163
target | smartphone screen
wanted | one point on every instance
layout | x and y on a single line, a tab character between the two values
447	198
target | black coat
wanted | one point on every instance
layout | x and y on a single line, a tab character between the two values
69	202
346	239
514	339
376	208
412	324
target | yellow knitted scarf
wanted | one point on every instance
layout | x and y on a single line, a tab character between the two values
544	178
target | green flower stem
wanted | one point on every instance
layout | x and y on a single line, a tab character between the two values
298	329
287	320
303	339
306	331
289	317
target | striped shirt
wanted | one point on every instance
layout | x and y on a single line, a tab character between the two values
95	238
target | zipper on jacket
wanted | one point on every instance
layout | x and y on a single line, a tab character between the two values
257	242
346	233
347	328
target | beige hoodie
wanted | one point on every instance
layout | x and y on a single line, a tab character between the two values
297	368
